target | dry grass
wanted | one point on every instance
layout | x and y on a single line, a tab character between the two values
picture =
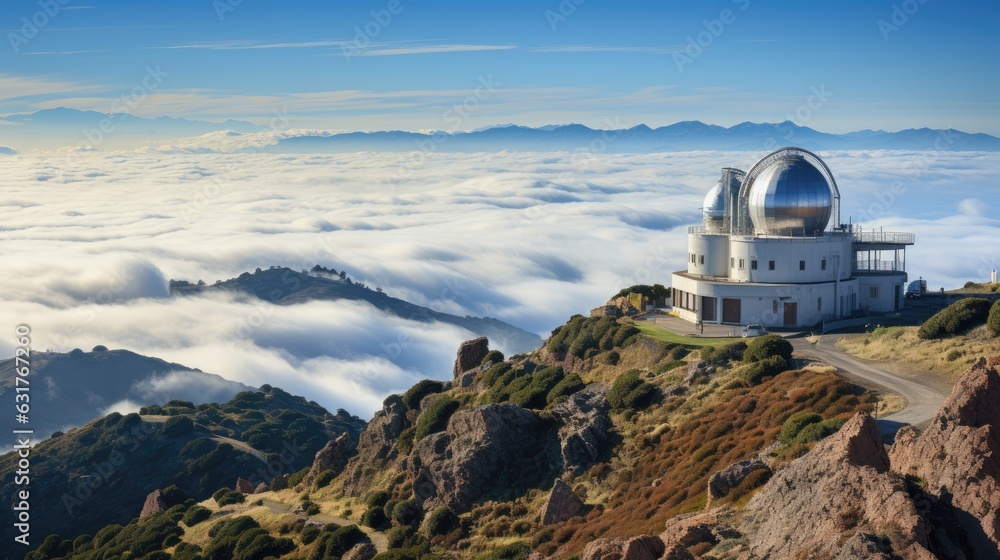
904	354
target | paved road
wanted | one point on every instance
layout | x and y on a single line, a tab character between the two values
922	401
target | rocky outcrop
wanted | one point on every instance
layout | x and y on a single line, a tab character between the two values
958	457
261	488
332	457
585	433
843	485
698	373
155	503
561	504
471	354
493	447
376	444
361	551
280	482
642	547
722	482
243	485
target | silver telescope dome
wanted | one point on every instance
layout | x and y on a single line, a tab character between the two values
713	210
790	197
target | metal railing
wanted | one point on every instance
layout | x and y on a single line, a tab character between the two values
892	237
878	266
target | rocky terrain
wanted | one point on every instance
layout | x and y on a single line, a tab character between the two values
604	444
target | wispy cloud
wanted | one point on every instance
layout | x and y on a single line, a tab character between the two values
355	49
395	50
613	49
63	52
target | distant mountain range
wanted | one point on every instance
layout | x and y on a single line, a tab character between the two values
682	136
285	286
72	389
62	126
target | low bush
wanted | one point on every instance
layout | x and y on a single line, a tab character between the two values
227	496
375	518
325	478
767	367
818	430
413	396
297	477
405	440
629	392
177	426
993	319
566	387
441	521
763	347
513	551
540	384
333	544
492	357
435	418
195	515
795	423
956	318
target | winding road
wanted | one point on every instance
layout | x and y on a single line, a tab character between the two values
922	401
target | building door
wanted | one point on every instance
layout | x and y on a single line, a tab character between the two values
730	310
895	295
791	314
708	309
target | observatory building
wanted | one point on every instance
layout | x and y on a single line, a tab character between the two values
773	251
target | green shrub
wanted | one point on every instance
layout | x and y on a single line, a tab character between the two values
953	355
767	367
399	536
335	543
763	347
492	357
514	551
494	373
227	496
325	478
177	426
435	418
195	515
441	521
309	533
534	394
405	440
375	518
956	318
406	512
413	396
630	392
679	353
795	423
723	355
566	387
378	499
297	477
993	320
818	430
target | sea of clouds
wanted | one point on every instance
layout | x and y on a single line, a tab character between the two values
90	240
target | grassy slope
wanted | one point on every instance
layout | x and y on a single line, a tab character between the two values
663	335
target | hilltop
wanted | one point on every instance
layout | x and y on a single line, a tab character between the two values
284	286
76	387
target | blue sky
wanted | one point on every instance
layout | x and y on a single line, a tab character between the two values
828	65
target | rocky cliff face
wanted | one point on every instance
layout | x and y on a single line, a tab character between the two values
377	444
957	457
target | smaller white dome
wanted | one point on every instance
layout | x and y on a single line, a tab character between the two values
713	210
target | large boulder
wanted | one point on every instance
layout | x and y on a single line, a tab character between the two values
493	447
280	482
642	547
470	354
155	503
843	485
585	433
722	482
958	457
361	551
333	457
376	444
243	485
561	504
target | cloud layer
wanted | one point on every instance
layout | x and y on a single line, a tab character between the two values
92	238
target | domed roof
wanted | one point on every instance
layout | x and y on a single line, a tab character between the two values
714	208
790	196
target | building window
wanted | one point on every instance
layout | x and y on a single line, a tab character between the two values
873	292
822	264
819	301
741	264
753	265
701	259
802	265
770	265
732	262
774	307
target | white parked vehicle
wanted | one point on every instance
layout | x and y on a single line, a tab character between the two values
754	329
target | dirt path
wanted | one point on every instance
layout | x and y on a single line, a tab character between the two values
377	538
922	399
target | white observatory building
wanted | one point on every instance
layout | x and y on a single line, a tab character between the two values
773	251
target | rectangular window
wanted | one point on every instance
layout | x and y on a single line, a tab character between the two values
819	302
741	264
873	292
822	264
732	262
701	259
770	265
753	265
802	265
